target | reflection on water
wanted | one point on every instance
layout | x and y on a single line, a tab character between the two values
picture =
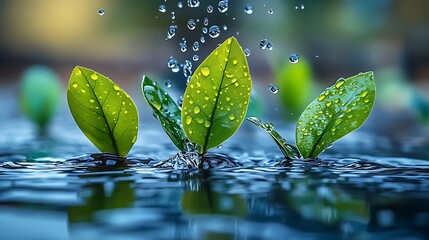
51	189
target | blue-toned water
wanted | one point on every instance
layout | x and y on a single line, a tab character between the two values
365	187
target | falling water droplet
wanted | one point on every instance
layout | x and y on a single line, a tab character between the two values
273	88
171	32
179	4
173	15
195	58
191	24
263	43
162	8
301	7
293	58
202	39
270	46
270	11
224	27
168	84
209	8
101	12
214	31
193	3
196	46
248	9
247	52
204	30
206	22
222	6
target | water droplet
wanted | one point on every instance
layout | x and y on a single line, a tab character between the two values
270	46
329	145
269	127
321	97
222	6
247	52
224	27
195	58
339	82
91	100
231	117
207	123
206	21
193	3
205	71
134	139
366	100
116	87
248	9
173	15
168	84
162	8
301	7
196	46
202	39
214	31
270	11
191	24
364	93
94	76
294	58
274	89
180	101
263	43
188	120
171	32
209	8
101	12
179	4
234	61
197	110
328	104
220	146
204	30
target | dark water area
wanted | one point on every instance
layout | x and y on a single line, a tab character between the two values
365	187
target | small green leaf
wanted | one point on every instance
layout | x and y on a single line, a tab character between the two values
103	111
40	94
288	150
166	111
336	112
217	97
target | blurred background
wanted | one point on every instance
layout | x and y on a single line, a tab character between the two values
124	39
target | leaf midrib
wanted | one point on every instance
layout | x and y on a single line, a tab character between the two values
110	133
206	141
313	149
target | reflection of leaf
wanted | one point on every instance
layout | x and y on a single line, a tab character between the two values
295	83
122	196
166	111
217	97
40	93
336	112
288	150
103	111
209	202
328	205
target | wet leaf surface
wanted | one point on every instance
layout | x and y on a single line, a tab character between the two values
103	111
166	111
217	97
337	111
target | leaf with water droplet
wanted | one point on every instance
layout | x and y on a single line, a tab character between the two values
288	150
40	92
103	111
339	110
166	111
219	88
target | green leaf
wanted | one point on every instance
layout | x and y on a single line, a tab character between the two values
166	111
217	97
40	94
288	150
103	111
336	112
296	87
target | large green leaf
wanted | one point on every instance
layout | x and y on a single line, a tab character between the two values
40	94
288	150
336	112
217	96
103	111
166	111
